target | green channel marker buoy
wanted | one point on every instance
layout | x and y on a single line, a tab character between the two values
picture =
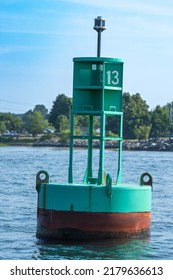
97	207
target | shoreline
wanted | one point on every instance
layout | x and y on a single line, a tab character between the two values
154	144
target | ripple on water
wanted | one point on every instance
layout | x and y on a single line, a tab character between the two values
19	166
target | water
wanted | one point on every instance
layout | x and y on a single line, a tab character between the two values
18	202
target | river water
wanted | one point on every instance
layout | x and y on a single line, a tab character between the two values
18	202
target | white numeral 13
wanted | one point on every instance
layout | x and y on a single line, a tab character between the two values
113	77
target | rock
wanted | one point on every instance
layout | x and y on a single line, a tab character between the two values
155	144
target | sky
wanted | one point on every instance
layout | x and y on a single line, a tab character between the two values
39	38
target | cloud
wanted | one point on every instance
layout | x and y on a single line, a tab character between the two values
37	32
151	27
143	7
13	49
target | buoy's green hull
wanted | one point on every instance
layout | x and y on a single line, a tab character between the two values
84	211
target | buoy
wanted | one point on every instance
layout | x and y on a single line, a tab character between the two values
98	207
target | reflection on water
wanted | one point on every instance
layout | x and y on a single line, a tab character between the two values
107	249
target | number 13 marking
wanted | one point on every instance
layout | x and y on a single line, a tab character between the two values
113	77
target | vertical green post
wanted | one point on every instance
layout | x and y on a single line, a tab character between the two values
119	173
90	146
70	174
102	149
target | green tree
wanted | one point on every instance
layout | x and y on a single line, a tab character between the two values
112	125
64	131
136	117
81	121
42	109
11	122
2	126
63	122
160	122
142	132
61	106
36	123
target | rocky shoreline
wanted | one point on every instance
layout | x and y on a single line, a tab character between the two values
154	144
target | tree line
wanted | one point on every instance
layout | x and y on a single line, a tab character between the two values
138	122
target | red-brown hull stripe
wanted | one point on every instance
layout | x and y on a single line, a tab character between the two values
69	224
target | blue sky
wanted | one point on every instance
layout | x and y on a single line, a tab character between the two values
39	38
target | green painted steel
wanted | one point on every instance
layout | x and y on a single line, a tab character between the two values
97	91
93	198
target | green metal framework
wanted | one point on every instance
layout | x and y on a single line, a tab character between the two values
97	91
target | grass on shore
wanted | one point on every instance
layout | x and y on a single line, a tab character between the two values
16	141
